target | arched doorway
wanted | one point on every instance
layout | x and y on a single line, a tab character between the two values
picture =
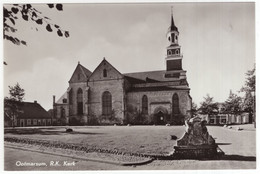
160	118
160	115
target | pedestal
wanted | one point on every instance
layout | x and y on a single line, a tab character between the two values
195	152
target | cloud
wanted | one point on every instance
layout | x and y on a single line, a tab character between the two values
48	77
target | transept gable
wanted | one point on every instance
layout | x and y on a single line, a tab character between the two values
80	74
105	71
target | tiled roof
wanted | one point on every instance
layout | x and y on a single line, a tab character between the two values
32	110
148	76
86	71
156	88
64	96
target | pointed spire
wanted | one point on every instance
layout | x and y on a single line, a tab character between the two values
173	27
172	21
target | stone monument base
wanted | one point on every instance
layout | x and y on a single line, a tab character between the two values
195	152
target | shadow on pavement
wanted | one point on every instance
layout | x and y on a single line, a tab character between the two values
231	158
237	158
223	143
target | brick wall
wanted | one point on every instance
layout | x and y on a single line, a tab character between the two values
74	87
97	88
157	99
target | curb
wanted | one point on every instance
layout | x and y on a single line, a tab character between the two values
81	157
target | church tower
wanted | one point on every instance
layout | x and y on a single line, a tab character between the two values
174	56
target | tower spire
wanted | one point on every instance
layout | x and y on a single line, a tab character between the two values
172	21
174	57
172	27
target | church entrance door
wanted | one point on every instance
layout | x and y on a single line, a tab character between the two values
160	119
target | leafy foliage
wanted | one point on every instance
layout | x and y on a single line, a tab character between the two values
13	103
194	108
250	81
27	12
233	104
208	106
249	89
248	104
16	93
135	116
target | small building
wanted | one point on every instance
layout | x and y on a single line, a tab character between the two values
226	118
30	114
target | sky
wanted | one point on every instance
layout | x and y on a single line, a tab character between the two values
217	42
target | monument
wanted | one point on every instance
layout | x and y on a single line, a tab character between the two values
196	141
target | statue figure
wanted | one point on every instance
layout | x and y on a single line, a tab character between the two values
196	133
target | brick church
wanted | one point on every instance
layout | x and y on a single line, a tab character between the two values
106	96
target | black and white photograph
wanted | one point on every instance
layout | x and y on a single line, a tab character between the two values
139	86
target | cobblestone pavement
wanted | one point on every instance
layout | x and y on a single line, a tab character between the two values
239	147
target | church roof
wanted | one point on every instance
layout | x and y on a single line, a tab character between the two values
148	77
142	76
64	96
85	70
154	88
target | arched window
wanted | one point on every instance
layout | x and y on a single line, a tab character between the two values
106	103
176	51
169	52
145	105
175	104
104	73
80	101
70	97
62	113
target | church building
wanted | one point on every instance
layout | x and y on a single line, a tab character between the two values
106	96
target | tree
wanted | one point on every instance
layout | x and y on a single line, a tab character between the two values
194	108
233	104
208	106
26	12
249	90
13	103
250	81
